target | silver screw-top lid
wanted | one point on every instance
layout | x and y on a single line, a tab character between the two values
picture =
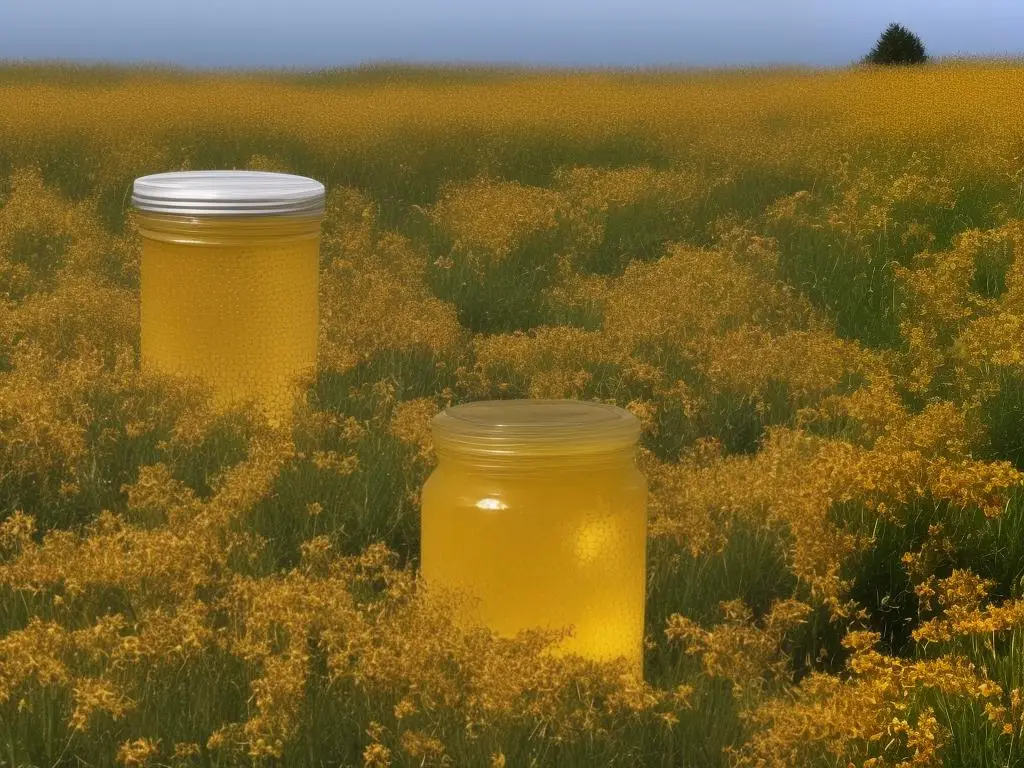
228	193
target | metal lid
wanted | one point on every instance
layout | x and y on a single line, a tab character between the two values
535	427
228	193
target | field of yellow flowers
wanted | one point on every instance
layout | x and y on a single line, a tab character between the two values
809	286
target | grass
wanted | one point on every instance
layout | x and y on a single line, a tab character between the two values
844	273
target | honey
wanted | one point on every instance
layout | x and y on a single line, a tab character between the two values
537	512
230	282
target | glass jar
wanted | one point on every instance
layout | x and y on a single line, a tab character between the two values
230	281
537	512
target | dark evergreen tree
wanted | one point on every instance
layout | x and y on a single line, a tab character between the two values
897	45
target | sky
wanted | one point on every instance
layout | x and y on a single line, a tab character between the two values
315	34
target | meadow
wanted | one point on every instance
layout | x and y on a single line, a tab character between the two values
808	285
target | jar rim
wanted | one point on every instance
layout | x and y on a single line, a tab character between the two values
535	427
228	193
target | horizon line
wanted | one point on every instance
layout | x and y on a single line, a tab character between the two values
385	64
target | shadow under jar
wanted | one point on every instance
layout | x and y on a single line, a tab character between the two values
230	281
537	513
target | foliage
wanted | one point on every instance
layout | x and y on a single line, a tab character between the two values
817	320
897	45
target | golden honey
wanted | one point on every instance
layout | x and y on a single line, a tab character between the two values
232	299
537	512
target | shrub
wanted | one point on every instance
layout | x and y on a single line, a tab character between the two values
897	45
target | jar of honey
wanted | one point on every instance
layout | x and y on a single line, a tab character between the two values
230	280
537	512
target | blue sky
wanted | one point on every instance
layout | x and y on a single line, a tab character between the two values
576	33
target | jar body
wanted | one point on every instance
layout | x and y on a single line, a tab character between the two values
546	546
233	301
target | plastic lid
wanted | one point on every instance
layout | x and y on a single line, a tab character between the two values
535	427
228	193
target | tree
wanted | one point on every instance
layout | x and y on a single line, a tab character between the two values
897	45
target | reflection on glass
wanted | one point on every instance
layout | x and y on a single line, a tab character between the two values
491	504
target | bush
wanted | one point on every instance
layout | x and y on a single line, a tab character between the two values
897	45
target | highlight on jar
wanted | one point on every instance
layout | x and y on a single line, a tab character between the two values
536	516
230	281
